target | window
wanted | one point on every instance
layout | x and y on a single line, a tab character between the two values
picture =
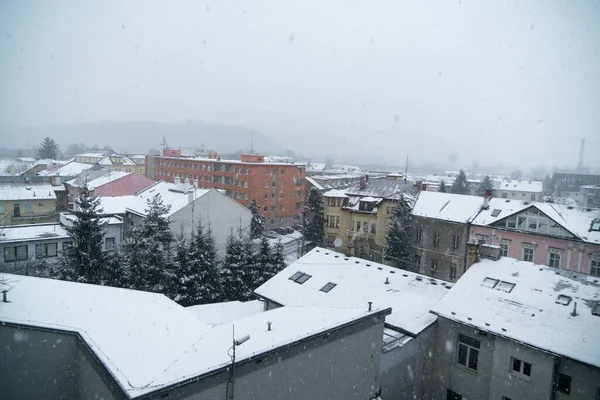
434	266
300	277
504	247
482	239
505	286
520	367
357	226
452	274
468	351
455	241
388	210
528	253
46	250
419	233
595	264
328	287
490	282
16	253
564	383
373	227
1	209
595	225
564	300
496	212
504	195
436	239
554	258
450	395
266	185
16	210
109	243
365	227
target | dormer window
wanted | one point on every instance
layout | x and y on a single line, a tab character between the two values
595	225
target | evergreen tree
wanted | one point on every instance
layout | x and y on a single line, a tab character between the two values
278	258
315	219
443	188
460	185
486	184
398	238
234	269
115	272
197	270
265	268
48	149
83	261
257	223
148	250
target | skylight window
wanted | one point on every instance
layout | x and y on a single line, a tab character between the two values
300	277
595	225
564	300
505	286
596	310
496	212
328	287
490	282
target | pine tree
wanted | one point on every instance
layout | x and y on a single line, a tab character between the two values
443	188
278	256
48	149
234	269
486	184
115	272
148	250
197	270
257	223
398	238
83	261
460	185
315	219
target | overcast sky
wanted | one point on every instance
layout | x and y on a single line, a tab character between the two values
497	81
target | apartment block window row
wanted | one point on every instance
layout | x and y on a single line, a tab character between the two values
333	221
334	202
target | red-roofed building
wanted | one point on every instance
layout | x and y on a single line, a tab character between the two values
128	185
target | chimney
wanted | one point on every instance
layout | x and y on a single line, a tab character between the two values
269	325
4	299
362	182
574	313
370	305
177	180
387	280
186	181
487	195
191	194
419	186
196	183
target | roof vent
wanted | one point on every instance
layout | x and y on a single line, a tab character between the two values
564	300
268	325
574	313
4	299
370	305
387	280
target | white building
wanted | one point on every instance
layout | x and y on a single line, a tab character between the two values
519	190
112	229
22	243
511	329
191	206
324	278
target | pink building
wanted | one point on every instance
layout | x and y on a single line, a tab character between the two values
559	236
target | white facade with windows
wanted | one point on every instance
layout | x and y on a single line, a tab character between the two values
19	244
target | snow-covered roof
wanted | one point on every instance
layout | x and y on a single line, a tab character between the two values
219	313
115	205
314	183
533	311
71	168
175	195
577	220
334	193
358	282
68	219
116	159
519	186
22	233
98	155
147	341
392	189
26	191
93	183
447	206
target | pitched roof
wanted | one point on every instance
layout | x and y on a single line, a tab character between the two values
175	195
71	168
383	188
129	184
147	341
577	220
358	282
219	313
447	206
532	312
96	178
334	193
519	186
26	191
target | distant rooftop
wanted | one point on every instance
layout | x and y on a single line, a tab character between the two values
26	191
96	178
392	189
330	279
175	195
21	233
530	304
72	168
219	313
519	186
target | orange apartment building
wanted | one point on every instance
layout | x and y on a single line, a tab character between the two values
279	188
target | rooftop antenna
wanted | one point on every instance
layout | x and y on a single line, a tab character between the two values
581	152
252	143
164	144
406	168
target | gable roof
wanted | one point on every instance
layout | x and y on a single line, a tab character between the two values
148	342
96	178
384	188
519	186
175	195
576	220
358	282
71	168
529	313
447	206
127	185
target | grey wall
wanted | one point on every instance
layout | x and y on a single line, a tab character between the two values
445	254
344	365
40	364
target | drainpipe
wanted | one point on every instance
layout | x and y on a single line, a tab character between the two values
555	367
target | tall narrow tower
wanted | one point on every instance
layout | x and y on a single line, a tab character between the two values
581	152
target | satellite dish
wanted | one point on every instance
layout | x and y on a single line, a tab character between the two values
337	242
